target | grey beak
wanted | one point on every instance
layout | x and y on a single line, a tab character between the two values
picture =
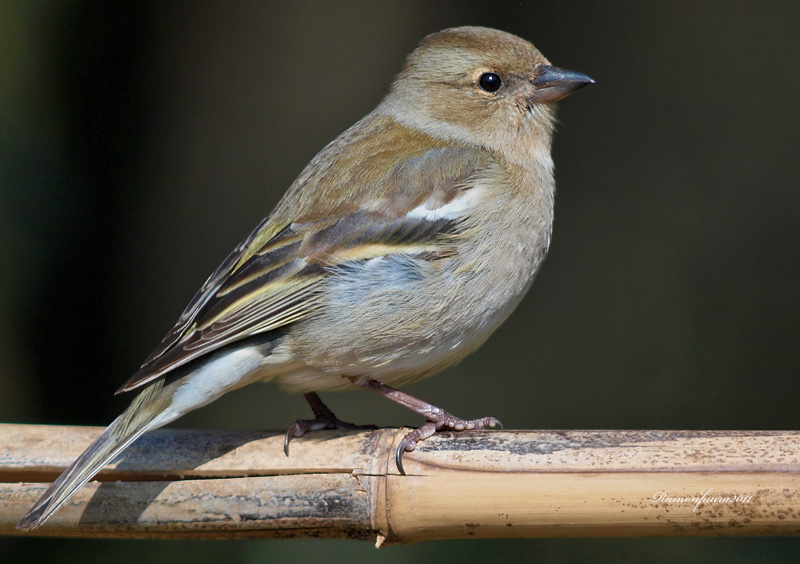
553	83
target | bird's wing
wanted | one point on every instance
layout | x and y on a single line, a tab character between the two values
272	279
254	290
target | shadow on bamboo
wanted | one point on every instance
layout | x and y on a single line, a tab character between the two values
485	484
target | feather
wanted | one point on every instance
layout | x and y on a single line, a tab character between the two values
272	279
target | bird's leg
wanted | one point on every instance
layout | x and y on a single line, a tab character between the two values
438	419
323	419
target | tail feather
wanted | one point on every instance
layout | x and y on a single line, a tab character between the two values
141	416
157	404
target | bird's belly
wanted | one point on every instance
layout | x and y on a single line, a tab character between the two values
398	319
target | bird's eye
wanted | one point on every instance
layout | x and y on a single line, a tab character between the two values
490	82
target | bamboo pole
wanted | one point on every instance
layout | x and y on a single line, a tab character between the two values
215	484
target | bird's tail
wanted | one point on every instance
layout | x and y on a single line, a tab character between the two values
145	413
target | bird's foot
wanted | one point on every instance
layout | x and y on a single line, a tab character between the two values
324	419
439	420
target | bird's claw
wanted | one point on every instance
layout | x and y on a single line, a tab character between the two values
441	421
302	426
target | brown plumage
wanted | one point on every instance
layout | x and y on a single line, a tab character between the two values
397	251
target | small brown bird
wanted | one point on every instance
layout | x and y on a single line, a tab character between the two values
397	251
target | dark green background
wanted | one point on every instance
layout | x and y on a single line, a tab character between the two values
139	142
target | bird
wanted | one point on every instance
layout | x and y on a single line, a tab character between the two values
396	252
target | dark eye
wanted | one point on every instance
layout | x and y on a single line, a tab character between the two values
490	81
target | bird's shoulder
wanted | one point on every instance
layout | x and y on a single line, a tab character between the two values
382	165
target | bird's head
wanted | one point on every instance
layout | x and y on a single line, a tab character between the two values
481	86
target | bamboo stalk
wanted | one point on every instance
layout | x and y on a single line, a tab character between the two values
213	484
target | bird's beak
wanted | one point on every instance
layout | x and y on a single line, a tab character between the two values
553	83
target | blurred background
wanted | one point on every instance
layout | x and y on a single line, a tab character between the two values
141	141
